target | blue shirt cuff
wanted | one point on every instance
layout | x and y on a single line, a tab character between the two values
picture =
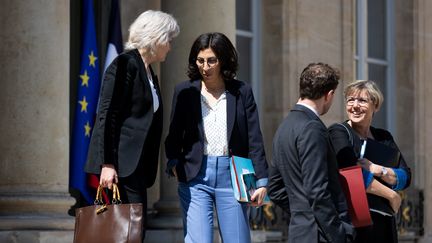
262	182
367	177
401	179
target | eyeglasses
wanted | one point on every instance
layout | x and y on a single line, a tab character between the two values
211	61
361	101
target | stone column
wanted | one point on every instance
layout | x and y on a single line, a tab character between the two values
423	112
193	20
313	35
34	121
272	71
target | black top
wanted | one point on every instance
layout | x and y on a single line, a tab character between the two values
348	149
347	153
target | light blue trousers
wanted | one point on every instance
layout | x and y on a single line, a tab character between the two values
212	187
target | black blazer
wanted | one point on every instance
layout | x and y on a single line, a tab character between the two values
348	152
185	140
126	128
304	163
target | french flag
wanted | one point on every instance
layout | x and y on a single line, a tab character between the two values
114	47
115	43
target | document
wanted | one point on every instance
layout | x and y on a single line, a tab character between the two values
243	179
351	179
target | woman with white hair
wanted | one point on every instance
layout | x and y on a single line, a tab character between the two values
124	147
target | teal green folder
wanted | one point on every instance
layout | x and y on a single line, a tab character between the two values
243	179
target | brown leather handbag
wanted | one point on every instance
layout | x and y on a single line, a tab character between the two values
115	222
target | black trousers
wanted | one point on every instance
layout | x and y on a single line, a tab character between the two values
382	230
133	190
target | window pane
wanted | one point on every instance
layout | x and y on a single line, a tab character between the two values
244	54
378	74
357	70
243	14
377	28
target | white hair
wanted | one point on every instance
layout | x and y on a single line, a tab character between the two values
150	29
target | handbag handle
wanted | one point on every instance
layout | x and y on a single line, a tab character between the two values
115	198
99	200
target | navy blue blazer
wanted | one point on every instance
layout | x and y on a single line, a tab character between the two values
304	164
185	140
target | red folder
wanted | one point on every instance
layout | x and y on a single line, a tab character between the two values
351	179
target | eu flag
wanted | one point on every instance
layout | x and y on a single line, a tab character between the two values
86	104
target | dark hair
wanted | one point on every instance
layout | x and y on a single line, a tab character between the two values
224	50
317	79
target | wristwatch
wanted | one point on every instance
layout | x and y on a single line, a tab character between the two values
384	171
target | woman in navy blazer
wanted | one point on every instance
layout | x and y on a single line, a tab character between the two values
213	117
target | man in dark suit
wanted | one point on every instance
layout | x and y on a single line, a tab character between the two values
304	164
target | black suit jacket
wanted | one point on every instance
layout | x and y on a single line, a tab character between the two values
127	130
185	141
304	163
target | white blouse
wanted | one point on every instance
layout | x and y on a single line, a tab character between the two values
154	93
215	126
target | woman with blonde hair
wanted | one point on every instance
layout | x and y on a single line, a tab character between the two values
382	179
